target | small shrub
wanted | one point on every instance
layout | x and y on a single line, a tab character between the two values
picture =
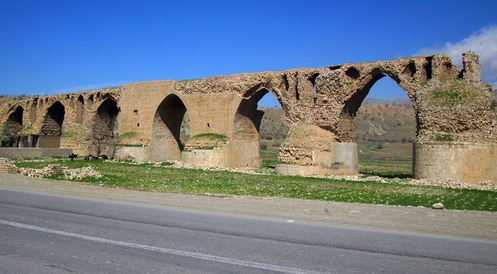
444	138
26	131
5	136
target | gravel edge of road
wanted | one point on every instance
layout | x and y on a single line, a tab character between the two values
452	223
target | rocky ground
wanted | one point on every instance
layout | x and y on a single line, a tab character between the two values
448	183
89	172
466	224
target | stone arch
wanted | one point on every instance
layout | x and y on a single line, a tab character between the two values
245	139
80	109
105	128
14	121
14	125
52	127
90	101
345	130
166	141
54	119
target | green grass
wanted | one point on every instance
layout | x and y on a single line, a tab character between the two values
210	136
390	160
444	138
458	92
163	178
129	135
387	169
269	157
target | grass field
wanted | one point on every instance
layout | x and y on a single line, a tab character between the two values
164	178
386	159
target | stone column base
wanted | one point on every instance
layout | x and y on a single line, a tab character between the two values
468	162
340	159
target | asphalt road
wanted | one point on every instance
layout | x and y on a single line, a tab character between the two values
45	233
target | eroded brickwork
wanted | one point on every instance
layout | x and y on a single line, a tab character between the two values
451	104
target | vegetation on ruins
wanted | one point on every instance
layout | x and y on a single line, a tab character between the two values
456	93
128	135
26	130
444	138
163	177
210	136
74	132
126	140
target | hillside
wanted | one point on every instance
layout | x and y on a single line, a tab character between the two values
385	122
376	121
273	125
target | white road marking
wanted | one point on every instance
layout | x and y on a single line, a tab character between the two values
195	255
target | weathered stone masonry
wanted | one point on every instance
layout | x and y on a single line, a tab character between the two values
456	129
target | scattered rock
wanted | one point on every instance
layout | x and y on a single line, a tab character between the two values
80	173
44	172
6	166
437	206
50	170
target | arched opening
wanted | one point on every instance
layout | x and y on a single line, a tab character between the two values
52	126
259	129
170	129
10	130
273	129
385	128
80	109
14	121
105	129
90	101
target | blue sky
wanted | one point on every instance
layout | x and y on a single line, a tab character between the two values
51	47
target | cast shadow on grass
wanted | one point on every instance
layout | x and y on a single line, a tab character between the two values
388	174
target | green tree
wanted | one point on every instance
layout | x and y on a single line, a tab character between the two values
5	136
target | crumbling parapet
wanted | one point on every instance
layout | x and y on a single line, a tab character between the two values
456	127
443	69
471	67
454	110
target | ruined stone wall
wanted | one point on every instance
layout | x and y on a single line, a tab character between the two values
13	153
451	105
77	116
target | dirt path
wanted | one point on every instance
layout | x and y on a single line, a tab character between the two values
467	224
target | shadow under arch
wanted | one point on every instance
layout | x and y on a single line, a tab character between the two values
14	121
105	129
14	124
383	148
52	127
166	129
80	109
245	141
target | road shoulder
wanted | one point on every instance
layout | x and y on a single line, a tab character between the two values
466	224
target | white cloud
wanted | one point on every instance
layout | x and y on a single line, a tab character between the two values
483	42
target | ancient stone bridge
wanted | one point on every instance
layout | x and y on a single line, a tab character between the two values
456	126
